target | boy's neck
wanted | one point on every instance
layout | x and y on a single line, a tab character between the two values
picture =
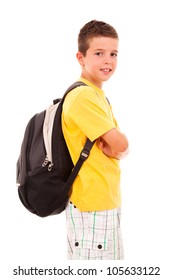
90	83
89	79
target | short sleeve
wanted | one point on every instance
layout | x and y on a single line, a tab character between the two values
91	112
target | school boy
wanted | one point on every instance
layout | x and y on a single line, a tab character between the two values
93	211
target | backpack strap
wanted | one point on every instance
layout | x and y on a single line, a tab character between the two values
73	86
88	145
83	156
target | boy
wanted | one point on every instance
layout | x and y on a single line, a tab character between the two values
93	211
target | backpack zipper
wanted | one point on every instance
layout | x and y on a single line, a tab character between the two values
47	162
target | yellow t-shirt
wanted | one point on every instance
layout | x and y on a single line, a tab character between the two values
86	113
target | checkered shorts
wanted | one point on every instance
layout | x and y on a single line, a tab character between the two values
93	235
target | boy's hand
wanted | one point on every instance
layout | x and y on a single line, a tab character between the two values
106	149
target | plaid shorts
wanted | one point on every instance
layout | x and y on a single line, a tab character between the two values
93	235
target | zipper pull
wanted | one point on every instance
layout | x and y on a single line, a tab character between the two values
50	166
45	162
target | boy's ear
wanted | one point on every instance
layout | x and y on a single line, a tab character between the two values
80	58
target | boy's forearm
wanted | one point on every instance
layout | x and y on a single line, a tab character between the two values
115	155
108	151
114	143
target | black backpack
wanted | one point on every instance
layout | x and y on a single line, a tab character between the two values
45	171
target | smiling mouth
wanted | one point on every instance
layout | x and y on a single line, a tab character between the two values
106	70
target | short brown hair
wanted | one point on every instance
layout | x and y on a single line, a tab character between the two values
93	29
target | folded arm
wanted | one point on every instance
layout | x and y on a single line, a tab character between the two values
114	144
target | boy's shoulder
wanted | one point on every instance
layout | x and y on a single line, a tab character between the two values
81	93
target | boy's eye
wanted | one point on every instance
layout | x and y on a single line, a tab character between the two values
114	54
99	53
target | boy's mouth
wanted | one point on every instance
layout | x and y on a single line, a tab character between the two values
106	70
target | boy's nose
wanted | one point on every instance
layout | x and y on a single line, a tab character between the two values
108	59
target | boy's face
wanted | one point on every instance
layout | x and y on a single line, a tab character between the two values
100	60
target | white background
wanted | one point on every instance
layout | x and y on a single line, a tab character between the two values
37	63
